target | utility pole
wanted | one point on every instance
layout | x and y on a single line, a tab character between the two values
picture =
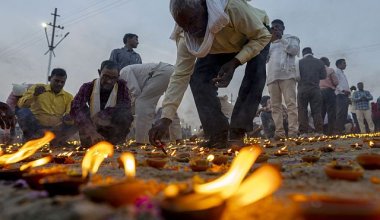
51	43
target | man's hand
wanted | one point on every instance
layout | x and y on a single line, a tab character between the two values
100	120
67	119
7	117
158	131
39	90
226	73
93	135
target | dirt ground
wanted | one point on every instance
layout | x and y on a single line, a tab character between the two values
17	201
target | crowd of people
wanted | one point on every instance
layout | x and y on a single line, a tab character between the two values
213	38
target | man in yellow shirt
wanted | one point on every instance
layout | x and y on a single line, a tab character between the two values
221	35
46	107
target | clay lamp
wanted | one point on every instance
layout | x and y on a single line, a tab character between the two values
298	142
64	158
326	149
156	160
343	172
125	191
369	161
183	157
338	208
357	146
310	158
27	150
34	176
230	192
268	144
282	152
199	164
217	159
374	144
69	184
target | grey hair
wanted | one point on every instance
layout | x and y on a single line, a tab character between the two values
177	6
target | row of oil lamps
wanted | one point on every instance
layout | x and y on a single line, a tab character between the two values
231	191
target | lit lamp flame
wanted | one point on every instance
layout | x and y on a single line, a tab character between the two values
230	187
36	163
95	156
227	184
27	150
129	164
265	180
371	143
210	157
171	191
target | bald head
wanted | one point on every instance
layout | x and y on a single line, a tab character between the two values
191	15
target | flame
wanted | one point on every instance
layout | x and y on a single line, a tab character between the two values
227	184
27	150
65	154
129	164
171	191
371	143
95	156
210	157
173	153
284	148
230	187
36	163
265	180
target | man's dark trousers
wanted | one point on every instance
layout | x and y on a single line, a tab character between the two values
214	122
329	107
342	102
313	96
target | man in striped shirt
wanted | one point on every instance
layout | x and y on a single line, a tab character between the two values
363	110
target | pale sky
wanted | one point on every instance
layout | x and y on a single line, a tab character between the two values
332	28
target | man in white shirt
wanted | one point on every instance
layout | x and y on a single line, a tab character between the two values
146	83
342	93
282	77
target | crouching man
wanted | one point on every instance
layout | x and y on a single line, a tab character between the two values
102	108
147	82
46	107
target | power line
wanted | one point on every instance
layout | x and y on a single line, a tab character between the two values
97	12
51	44
32	39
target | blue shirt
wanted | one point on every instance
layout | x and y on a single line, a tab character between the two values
361	99
124	57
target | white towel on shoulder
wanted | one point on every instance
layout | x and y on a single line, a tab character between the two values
217	20
95	98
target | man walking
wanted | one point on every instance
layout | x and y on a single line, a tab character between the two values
282	78
361	99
